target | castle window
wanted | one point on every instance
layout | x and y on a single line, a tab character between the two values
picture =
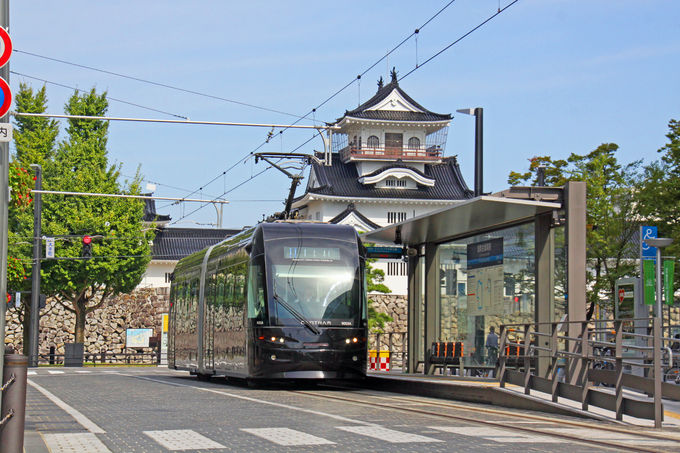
373	141
414	143
394	217
397	268
393	182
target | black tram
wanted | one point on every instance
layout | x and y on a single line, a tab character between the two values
283	300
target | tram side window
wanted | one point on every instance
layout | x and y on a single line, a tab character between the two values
256	295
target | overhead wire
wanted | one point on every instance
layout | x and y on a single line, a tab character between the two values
465	35
417	65
184	216
159	84
299	118
107	97
336	93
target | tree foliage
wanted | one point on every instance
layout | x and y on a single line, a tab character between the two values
610	213
120	247
658	194
35	138
374	284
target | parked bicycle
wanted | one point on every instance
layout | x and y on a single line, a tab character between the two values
603	364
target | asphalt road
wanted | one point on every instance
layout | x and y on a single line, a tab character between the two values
158	410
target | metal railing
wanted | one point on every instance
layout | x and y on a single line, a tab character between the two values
103	358
566	358
382	152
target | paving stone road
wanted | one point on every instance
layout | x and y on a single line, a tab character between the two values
158	410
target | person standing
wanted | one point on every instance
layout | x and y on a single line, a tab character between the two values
492	346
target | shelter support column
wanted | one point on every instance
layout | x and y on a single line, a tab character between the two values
575	238
432	295
545	281
415	289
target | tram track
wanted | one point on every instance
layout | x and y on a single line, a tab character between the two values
363	399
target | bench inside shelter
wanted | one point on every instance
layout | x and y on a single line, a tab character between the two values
444	354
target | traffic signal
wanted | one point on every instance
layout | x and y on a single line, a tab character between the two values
87	247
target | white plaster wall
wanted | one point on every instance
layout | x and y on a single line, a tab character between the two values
154	277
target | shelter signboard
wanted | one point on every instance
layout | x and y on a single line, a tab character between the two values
649	282
137	338
668	274
485	277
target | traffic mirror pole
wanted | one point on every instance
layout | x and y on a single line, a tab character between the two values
4	205
34	328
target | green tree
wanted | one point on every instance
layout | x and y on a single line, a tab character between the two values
120	247
35	140
554	172
374	283
610	216
610	210
658	195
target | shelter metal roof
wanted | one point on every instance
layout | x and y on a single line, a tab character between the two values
464	218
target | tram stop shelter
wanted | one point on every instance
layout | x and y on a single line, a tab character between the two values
511	257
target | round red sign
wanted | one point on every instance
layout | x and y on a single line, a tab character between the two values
5	97
6	47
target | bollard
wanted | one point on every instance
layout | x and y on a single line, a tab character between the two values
13	412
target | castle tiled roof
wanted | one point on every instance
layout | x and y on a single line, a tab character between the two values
176	243
341	179
150	214
393	115
351	209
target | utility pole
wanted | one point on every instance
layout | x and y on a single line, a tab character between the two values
34	328
4	204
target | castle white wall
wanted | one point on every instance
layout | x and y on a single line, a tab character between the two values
154	277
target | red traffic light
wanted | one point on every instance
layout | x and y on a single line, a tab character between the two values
87	240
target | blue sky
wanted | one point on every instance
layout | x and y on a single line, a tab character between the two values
553	76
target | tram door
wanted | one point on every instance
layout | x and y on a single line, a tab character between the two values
209	323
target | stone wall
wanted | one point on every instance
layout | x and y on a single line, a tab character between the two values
395	306
105	327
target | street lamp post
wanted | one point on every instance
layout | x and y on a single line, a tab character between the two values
657	342
478	112
659	243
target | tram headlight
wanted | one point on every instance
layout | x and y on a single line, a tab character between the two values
347	340
273	357
355	339
273	338
355	358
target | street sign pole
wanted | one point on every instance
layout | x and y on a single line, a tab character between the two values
4	205
34	330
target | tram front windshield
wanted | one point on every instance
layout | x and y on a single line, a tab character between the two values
315	281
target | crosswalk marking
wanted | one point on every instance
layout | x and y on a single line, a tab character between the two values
31	373
83	371
182	439
55	372
72	442
498	435
386	434
287	437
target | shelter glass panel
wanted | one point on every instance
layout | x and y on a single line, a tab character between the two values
486	280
